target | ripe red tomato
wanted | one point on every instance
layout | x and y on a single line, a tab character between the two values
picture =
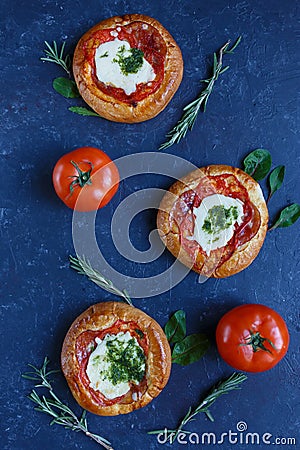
85	179
253	338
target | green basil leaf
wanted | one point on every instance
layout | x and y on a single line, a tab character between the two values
175	328
276	179
192	348
66	87
83	111
287	217
258	164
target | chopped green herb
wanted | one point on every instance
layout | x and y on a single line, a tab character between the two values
207	226
132	63
219	218
96	360
105	55
126	361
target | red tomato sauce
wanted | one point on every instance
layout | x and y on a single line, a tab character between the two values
148	40
84	347
225	184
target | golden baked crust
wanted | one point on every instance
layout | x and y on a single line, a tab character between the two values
169	230
158	364
108	106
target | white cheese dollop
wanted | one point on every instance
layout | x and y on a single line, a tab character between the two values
109	72
98	366
209	240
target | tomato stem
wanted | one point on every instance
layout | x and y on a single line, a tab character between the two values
82	178
257	341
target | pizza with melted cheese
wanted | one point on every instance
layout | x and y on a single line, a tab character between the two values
127	68
214	220
115	358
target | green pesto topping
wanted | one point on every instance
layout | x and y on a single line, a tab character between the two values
126	361
219	218
129	64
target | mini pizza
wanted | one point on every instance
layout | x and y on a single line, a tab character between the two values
115	358
127	68
214	220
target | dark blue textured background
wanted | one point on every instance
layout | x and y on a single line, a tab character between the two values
253	105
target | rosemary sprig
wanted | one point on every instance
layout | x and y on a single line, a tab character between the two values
191	111
57	57
54	407
224	387
83	267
